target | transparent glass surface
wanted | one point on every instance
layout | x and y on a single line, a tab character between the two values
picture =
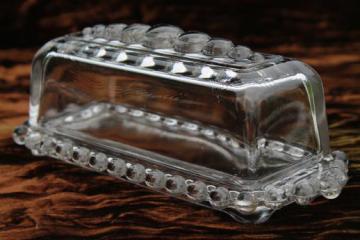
221	129
184	105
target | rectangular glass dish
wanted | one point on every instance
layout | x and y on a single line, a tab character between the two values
181	113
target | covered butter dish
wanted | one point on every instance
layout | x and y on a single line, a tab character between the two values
195	117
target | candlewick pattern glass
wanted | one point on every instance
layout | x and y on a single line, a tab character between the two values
195	117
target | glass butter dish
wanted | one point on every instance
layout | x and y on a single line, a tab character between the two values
195	117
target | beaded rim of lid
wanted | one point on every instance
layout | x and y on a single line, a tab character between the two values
171	38
167	49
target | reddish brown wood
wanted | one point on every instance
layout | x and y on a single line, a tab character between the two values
41	198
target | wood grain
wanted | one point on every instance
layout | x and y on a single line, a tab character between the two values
41	198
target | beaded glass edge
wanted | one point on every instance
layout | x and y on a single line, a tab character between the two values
166	49
326	178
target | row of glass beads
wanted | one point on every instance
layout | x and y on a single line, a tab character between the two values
270	146
174	38
174	124
152	61
328	178
170	123
42	144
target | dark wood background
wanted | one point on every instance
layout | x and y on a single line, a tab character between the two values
42	198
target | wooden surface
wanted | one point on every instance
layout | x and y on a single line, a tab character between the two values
41	198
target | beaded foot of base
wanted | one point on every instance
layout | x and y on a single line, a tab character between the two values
326	176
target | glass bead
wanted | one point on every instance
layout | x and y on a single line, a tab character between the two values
136	173
240	53
134	33
217	48
175	184
155	179
160	37
114	31
219	197
197	190
191	42
19	134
